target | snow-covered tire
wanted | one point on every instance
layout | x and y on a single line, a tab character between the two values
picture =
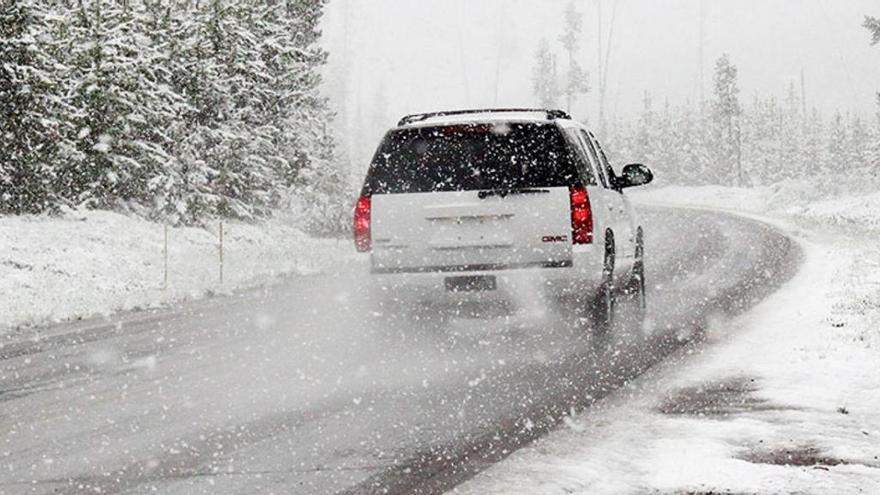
604	302
638	287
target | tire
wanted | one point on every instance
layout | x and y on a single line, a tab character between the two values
637	285
604	302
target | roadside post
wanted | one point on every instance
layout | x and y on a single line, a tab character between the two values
221	252
165	258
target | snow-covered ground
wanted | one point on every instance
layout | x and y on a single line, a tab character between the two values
86	263
783	399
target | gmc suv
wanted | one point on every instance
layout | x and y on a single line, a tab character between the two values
486	204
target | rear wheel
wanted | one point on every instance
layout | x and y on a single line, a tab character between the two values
637	285
604	302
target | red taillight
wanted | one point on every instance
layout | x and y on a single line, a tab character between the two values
362	239
581	216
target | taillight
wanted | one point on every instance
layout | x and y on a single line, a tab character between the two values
581	216
362	239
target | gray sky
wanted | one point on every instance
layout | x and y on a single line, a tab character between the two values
391	57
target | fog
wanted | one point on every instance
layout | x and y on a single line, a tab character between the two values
208	286
390	57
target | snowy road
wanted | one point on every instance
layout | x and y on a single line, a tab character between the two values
288	390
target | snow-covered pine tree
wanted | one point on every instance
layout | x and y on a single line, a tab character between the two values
121	108
231	142
183	108
857	152
837	139
726	112
316	180
225	148
873	155
872	24
30	90
758	124
692	155
813	150
677	146
704	137
545	84
645	138
666	152
791	160
575	82
181	186
616	139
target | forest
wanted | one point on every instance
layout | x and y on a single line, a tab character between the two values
724	138
186	110
177	110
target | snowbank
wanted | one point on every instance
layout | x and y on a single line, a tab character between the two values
795	201
87	263
784	399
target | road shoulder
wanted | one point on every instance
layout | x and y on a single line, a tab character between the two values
85	264
781	399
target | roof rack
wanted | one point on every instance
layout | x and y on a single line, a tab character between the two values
418	117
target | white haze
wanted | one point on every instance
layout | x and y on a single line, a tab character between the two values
391	57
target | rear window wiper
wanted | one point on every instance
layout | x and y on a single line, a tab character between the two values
509	192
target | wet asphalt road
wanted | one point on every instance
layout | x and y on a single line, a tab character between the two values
297	388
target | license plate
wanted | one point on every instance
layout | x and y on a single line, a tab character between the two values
471	284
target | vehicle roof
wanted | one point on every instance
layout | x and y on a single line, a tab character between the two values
480	116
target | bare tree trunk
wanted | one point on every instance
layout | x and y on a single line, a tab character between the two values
700	61
603	61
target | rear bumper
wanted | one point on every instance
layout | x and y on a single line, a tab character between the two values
492	267
513	284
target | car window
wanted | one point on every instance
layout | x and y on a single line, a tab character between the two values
594	157
606	165
585	167
471	157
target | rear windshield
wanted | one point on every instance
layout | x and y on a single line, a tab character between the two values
471	157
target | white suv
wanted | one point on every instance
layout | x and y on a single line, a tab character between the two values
491	204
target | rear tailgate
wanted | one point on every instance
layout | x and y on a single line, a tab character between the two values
471	231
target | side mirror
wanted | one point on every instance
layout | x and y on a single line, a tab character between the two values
634	174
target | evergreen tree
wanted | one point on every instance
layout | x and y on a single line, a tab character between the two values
178	109
759	131
30	85
837	139
646	139
872	24
857	148
321	180
544	77
814	157
665	149
693	157
872	163
791	143
726	111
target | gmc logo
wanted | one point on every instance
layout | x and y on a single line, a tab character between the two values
554	238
